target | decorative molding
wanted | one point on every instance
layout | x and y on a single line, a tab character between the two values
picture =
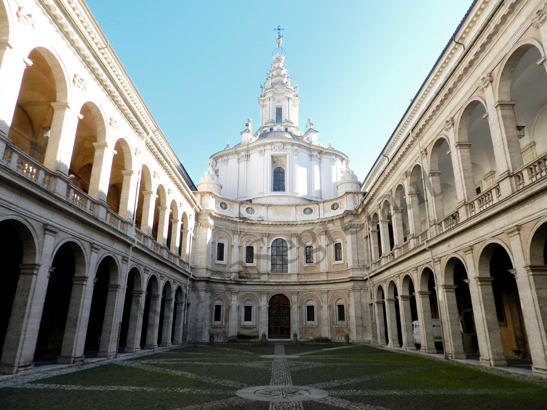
540	17
79	82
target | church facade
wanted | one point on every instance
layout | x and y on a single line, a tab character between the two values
107	246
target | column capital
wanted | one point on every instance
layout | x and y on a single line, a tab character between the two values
137	292
100	145
404	297
29	269
484	280
448	288
423	293
505	105
127	172
513	231
79	280
60	105
113	286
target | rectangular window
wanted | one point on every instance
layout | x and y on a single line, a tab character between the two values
308	250
341	313
220	251
310	313
249	254
217	317
248	314
278	115
337	251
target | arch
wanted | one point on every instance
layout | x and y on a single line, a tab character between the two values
117	196
537	254
43	85
17	252
376	239
165	325
101	311
430	308
279	257
410	311
523	83
279	317
386	226
441	174
184	232
495	262
381	316
91	130
178	317
172	237
68	262
400	202
145	189
5	23
394	314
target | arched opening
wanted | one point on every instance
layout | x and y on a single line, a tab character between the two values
376	238
417	197
133	285
279	317
149	313
538	247
145	188
496	263
455	271
524	83
475	130
165	316
443	185
430	306
118	187
17	249
159	213
178	317
410	311
68	264
279	256
104	276
400	202
33	116
381	317
90	131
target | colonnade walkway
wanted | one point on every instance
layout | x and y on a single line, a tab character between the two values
266	376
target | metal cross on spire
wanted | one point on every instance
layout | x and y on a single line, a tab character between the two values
279	39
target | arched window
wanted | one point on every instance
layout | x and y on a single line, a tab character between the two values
280	260
279	179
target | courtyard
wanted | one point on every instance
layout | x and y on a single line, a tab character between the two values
275	376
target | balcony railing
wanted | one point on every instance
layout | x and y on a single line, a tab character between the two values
14	159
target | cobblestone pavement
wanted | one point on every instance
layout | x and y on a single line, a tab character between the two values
300	377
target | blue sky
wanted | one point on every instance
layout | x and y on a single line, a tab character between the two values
199	65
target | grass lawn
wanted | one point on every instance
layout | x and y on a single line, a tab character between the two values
207	377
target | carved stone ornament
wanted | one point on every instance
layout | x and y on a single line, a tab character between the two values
112	122
24	16
137	152
278	147
539	18
449	123
78	82
486	80
156	175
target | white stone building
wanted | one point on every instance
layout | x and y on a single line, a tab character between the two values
107	245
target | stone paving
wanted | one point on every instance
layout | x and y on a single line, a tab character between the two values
300	377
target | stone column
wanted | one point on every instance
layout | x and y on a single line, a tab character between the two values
148	205
175	235
392	333
234	317
153	322
461	164
167	325
295	322
72	349
384	236
109	333
293	255
436	194
406	322
355	317
325	319
427	341
263	312
398	234
179	324
323	255
448	306
532	289
374	244
163	224
380	329
100	173
62	135
264	259
12	68
127	197
414	220
135	321
235	263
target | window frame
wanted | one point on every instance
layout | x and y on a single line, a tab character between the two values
312	255
253	263
248	323
218	323
274	179
285	258
334	260
223	260
338	303
278	115
313	322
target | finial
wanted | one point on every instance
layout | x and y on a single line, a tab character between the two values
279	40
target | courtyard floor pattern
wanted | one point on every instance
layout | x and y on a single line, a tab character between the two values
284	376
